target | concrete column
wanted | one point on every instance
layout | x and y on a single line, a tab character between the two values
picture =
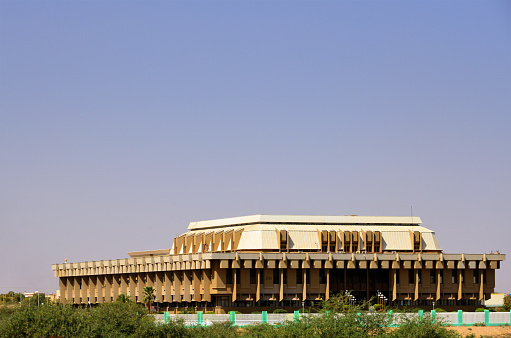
63	289
132	286
304	297
76	285
177	286
159	287
101	289
416	293
207	285
234	289
481	284
93	281
281	288
124	283
438	290
187	276
108	288
196	285
69	290
168	286
394	284
115	286
141	285
258	287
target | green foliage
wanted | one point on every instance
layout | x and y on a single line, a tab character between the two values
422	328
188	310
256	312
480	309
507	303
279	311
378	307
149	296
123	298
438	310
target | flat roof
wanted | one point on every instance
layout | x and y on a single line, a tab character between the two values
305	219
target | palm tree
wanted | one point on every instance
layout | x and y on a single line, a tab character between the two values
149	296
123	298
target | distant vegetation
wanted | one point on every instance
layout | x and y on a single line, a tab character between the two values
124	318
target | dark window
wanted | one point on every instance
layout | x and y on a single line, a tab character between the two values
253	276
308	276
484	276
276	276
238	276
284	275
397	276
299	276
347	247
419	275
441	276
228	278
462	276
262	276
476	276
432	276
454	279
411	276
322	277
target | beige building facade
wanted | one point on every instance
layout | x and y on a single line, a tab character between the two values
266	261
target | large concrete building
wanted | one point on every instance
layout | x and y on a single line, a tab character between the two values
263	261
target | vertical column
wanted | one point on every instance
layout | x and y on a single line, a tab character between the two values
281	288
115	286
177	287
69	289
108	288
76	285
481	284
124	283
132	286
394	284
234	290
159	286
168	286
93	281
187	276
304	297
101	289
197	279
207	285
141	276
258	286
416	293
63	289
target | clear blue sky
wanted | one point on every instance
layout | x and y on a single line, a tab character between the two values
122	121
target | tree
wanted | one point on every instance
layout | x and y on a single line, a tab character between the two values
149	296
507	303
123	298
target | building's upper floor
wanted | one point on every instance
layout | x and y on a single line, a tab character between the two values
283	233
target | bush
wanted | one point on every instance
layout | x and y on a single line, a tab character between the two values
256	312
422	328
440	310
378	307
480	309
279	311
